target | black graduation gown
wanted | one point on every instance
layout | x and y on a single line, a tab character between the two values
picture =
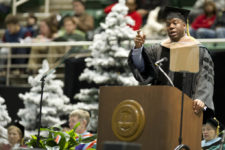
196	85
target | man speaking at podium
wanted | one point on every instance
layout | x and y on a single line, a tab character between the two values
198	86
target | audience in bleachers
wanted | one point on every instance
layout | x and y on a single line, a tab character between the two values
219	25
155	28
31	25
201	25
68	33
47	32
132	6
199	5
14	34
146	6
84	21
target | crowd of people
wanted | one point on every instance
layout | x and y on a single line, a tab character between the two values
210	23
147	14
16	132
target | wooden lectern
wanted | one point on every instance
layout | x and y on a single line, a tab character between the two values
161	106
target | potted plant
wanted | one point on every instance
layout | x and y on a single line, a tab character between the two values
59	140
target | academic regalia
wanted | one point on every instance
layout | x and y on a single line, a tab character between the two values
215	143
196	85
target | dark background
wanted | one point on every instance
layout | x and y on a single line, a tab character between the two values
74	67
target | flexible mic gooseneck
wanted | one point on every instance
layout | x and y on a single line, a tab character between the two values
158	64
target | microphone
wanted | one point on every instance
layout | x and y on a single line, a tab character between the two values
158	64
161	60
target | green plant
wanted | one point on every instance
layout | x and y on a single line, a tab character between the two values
56	138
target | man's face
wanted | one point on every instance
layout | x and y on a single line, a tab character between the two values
12	28
175	29
69	26
208	132
73	121
78	8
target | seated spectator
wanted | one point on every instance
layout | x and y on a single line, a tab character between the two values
210	133
84	21
69	33
32	25
83	117
219	25
15	137
132	5
5	6
155	27
218	28
146	6
47	33
198	8
13	34
204	22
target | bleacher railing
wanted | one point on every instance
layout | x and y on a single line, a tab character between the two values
212	44
17	3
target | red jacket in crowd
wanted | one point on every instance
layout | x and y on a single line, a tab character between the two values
134	15
203	22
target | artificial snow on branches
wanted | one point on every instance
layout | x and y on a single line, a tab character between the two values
54	101
4	120
108	62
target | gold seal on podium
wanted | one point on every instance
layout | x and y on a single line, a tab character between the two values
128	120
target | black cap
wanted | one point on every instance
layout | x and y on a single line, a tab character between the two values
216	124
213	121
173	12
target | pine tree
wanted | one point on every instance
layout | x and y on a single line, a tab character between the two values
54	101
108	62
4	120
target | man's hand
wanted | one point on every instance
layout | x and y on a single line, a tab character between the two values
139	40
198	106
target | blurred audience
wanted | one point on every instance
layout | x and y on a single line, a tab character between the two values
198	8
199	28
68	33
219	25
155	27
146	6
15	137
47	32
84	21
14	34
83	117
132	6
32	26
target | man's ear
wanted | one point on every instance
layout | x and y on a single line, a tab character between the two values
184	25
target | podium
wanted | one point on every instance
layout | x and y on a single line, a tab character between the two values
148	115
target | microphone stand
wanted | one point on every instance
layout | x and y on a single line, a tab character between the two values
182	146
58	63
40	110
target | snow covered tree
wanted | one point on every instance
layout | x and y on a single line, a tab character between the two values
4	120
54	101
108	62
